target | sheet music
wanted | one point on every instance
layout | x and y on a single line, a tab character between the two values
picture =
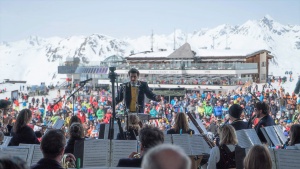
243	139
287	159
30	152
201	125
206	146
198	145
58	124
21	152
37	154
193	127
183	142
253	137
96	153
122	149
280	134
6	141
168	139
272	154
273	136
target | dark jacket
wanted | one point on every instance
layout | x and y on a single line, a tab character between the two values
46	163
130	162
172	131
274	109
264	122
143	90
239	125
25	136
70	145
131	134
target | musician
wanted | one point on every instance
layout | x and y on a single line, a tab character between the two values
235	112
295	134
134	92
22	133
258	157
181	125
223	156
76	132
53	147
149	137
166	156
132	126
264	119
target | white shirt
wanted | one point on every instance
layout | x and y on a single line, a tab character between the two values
214	157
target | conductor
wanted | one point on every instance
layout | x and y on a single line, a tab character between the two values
133	93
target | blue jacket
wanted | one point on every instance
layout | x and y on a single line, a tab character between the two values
218	110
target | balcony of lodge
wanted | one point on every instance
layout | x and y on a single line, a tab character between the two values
216	82
191	68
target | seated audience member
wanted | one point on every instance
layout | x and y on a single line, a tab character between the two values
223	156
166	156
133	128
76	132
22	133
235	112
12	163
53	147
149	137
181	125
294	134
258	157
5	106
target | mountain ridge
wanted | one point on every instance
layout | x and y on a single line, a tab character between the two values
282	40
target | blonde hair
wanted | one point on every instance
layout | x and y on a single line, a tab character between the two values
228	135
133	122
181	123
258	157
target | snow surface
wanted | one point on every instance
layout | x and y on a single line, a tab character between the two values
35	59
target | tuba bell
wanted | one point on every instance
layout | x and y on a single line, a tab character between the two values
67	163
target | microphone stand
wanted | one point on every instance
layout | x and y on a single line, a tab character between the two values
73	97
112	76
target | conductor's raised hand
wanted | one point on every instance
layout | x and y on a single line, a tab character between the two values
158	98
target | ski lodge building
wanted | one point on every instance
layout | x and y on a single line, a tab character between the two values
204	69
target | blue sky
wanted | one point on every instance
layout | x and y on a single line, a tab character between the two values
133	18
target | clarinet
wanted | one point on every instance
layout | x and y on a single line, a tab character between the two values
210	143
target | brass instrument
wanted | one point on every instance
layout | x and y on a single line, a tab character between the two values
137	155
67	163
210	143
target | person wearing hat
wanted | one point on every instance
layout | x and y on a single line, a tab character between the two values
235	112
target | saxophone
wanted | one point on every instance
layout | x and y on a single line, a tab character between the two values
67	163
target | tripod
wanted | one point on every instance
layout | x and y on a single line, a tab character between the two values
112	76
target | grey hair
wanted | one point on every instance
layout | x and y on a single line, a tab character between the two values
151	161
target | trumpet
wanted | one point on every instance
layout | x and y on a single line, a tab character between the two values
67	163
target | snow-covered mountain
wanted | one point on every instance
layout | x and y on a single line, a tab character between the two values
36	59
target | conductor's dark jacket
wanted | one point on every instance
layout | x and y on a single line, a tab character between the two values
143	88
